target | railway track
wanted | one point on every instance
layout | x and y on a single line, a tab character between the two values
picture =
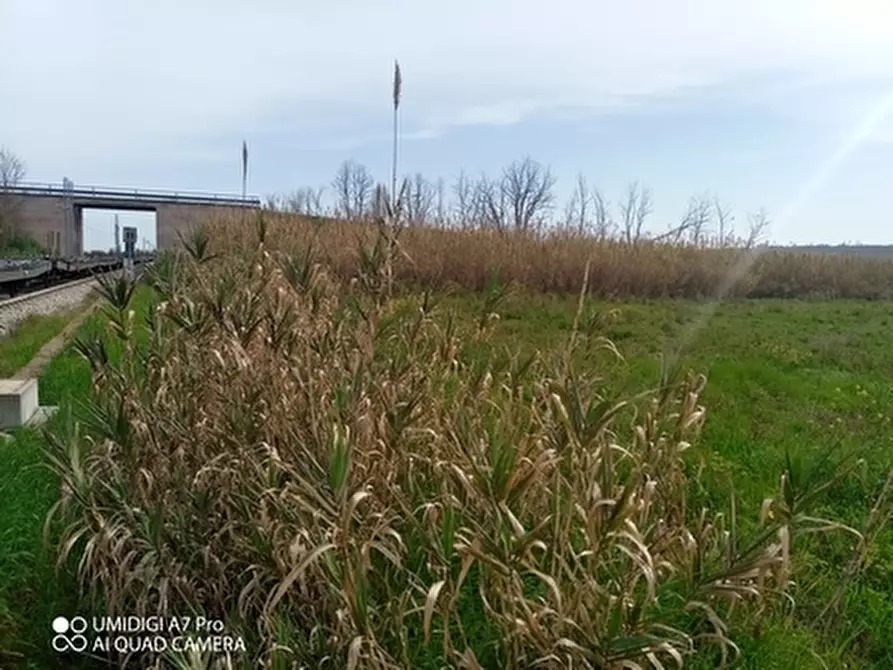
59	288
61	297
36	294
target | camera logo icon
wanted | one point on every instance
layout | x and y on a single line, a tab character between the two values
76	641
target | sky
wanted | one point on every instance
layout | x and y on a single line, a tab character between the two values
785	105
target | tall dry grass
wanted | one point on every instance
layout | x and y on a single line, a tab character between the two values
349	482
437	257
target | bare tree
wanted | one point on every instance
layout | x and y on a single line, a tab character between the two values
759	224
354	187
628	212
491	203
274	202
12	172
362	185
417	196
341	185
578	211
634	211
604	224
724	222
527	187
12	169
440	206
587	211
305	200
466	203
696	220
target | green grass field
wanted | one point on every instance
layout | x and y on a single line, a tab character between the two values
20	346
803	378
27	491
786	379
32	592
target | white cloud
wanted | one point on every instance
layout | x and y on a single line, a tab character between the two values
106	80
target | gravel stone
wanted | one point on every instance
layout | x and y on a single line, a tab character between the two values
63	299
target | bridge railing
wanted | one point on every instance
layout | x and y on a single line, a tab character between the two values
126	194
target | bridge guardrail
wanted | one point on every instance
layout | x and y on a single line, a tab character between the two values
145	195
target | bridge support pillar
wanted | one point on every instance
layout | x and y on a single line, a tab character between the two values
172	221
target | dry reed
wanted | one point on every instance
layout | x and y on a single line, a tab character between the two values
343	480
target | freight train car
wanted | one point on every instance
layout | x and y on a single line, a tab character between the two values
25	275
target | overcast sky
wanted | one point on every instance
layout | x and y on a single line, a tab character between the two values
746	100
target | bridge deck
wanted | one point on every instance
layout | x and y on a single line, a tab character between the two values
104	196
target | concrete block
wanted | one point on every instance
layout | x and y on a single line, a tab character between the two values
18	402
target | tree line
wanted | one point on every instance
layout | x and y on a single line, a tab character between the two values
521	198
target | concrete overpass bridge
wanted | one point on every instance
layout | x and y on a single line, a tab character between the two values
53	214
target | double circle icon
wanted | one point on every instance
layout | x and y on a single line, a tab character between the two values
76	642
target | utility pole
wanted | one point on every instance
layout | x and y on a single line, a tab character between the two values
117	237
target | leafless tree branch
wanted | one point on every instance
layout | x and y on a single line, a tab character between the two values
491	202
724	221
12	172
634	211
527	189
354	189
759	225
419	197
465	202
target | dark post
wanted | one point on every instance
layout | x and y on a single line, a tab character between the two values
129	247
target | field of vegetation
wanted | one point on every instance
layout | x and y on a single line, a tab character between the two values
363	447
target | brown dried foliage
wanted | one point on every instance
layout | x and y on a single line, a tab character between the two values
336	475
554	261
